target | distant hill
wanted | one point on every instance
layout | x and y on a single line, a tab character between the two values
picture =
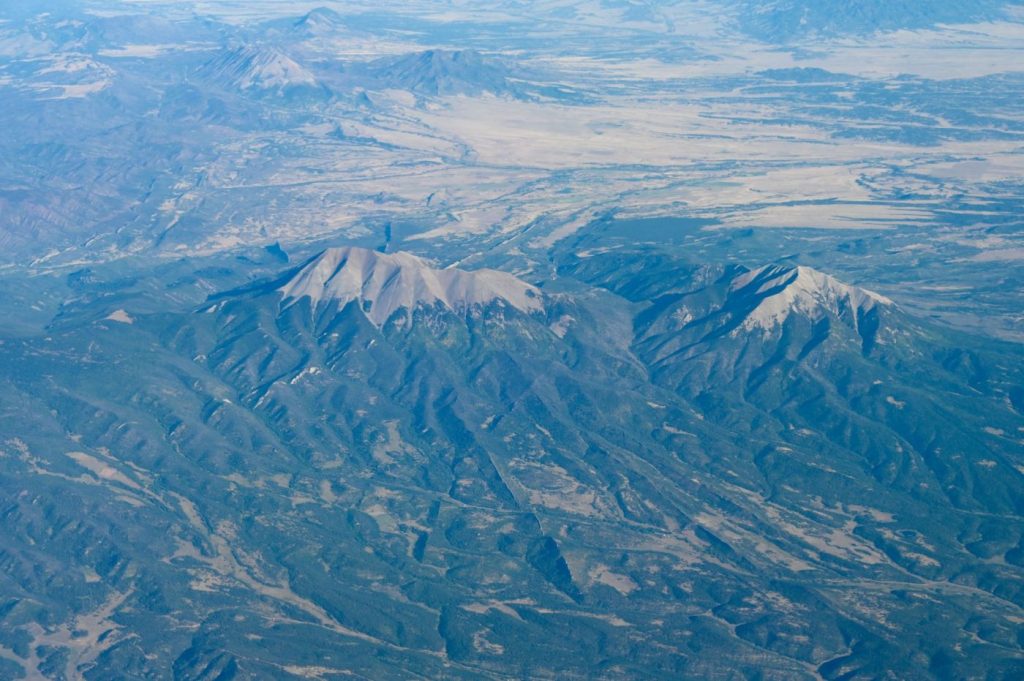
444	72
788	20
319	21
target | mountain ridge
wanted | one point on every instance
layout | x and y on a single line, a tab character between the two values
439	72
502	470
384	283
781	290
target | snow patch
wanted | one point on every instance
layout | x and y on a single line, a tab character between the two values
141	51
561	326
82	91
602	574
120	316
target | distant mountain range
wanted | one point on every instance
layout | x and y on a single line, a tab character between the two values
524	339
789	20
431	73
655	450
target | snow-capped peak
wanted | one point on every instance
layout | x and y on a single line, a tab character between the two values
386	282
782	290
262	68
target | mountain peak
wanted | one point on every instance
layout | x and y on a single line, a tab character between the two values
441	57
780	290
444	72
320	18
261	68
384	283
